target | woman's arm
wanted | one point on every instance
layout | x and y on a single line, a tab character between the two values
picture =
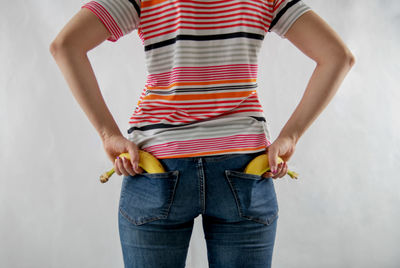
316	39
82	33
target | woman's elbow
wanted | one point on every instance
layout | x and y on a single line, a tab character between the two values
344	57
351	59
58	44
62	45
53	48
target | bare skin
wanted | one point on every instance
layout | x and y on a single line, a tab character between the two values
309	33
317	40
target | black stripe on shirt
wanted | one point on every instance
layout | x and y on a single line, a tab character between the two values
202	38
133	2
165	126
281	12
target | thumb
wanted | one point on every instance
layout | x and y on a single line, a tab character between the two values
134	154
272	157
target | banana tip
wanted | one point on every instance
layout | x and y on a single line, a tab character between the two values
104	178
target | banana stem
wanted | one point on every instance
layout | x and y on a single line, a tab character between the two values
106	175
292	174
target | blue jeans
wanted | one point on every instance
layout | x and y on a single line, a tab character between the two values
239	213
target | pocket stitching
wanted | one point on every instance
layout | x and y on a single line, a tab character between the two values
176	178
244	175
268	220
234	194
160	174
145	220
164	212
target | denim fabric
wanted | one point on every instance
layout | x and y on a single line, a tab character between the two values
239	213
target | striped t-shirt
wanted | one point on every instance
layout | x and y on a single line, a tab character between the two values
200	97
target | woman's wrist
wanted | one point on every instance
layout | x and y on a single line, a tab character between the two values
107	133
293	136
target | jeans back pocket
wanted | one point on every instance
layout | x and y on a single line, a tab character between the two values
147	197
255	196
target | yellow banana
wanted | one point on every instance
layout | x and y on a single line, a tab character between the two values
259	165
146	161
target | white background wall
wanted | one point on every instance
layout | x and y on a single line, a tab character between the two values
342	212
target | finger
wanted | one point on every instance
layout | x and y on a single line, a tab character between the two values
272	156
278	170
267	174
134	172
282	172
134	154
121	167
128	166
116	168
286	168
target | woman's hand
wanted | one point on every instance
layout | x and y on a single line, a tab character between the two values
284	148
117	144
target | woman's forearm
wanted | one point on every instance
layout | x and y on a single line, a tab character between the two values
321	88
78	73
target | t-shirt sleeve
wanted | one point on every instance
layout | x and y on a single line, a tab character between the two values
284	14
119	16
